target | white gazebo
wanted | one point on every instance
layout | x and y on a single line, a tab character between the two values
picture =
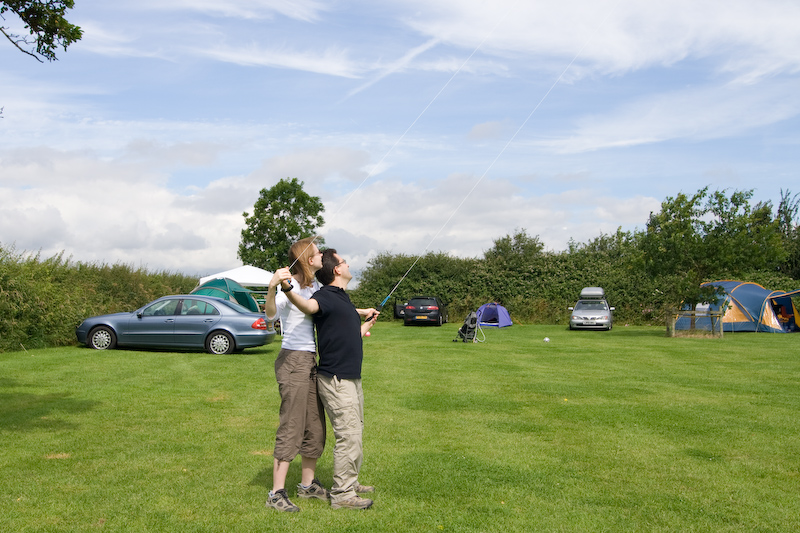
246	276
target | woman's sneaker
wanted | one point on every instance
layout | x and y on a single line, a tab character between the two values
280	500
315	490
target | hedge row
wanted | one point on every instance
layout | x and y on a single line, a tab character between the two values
42	300
535	288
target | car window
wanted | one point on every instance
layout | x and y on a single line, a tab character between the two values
161	308
235	306
418	302
599	305
198	307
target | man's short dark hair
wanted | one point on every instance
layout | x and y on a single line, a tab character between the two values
326	275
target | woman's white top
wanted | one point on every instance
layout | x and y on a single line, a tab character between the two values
297	327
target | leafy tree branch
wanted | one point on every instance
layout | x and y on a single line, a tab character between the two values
46	23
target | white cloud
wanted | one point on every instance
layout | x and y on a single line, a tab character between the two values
396	65
620	35
306	10
693	114
496	129
192	153
330	61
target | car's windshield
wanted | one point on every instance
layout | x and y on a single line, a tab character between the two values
591	305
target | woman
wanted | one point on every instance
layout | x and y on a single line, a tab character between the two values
301	428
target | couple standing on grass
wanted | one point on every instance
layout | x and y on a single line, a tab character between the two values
306	388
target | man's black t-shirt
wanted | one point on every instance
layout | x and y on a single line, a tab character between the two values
338	334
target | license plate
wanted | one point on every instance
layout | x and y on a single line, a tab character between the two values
422	318
590	323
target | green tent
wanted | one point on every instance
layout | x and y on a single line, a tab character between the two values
228	289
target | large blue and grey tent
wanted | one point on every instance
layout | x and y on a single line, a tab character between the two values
748	306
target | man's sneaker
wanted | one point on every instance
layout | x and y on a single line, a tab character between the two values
280	500
364	489
353	503
315	490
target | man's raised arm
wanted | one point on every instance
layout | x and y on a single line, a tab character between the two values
309	306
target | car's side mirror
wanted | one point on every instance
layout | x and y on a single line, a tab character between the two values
571	308
611	308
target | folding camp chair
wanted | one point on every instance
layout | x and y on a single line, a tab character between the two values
467	331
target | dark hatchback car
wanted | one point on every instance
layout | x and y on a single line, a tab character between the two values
425	310
180	322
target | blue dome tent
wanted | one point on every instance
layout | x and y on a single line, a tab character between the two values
493	314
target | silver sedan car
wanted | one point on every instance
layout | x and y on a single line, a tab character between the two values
180	322
591	314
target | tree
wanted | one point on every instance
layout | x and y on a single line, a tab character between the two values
739	238
787	220
434	274
517	250
706	237
281	216
45	21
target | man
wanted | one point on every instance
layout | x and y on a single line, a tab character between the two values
339	331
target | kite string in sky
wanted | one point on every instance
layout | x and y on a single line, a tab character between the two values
400	139
505	147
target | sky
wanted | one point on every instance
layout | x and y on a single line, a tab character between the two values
424	126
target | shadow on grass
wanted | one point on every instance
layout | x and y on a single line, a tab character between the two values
262	479
635	331
22	411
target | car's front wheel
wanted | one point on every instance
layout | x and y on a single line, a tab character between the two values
220	343
102	338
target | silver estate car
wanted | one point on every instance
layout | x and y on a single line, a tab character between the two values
591	311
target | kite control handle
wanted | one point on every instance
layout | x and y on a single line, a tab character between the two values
373	316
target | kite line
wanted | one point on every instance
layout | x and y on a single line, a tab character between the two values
502	151
419	116
497	157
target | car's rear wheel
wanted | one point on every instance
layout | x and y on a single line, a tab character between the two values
220	343
102	338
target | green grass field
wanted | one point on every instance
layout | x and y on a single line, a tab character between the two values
625	430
